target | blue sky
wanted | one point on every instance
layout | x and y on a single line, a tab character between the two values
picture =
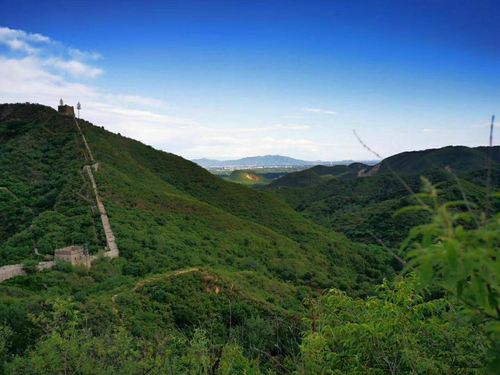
240	78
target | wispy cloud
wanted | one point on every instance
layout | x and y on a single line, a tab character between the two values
74	68
428	130
53	54
143	101
291	126
19	40
319	111
84	55
481	125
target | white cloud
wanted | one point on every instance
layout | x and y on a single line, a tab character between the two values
319	111
482	125
78	54
138	100
7	34
21	41
428	130
74	68
19	45
51	53
270	128
26	79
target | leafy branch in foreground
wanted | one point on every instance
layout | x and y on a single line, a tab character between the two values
459	252
397	331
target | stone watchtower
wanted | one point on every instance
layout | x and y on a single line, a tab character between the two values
76	255
64	109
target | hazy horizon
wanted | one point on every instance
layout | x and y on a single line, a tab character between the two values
231	80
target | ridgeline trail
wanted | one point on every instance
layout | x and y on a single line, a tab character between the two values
113	251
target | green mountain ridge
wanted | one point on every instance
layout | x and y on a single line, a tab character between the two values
362	205
460	159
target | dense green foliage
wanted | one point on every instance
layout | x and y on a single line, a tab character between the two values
398	331
459	252
319	174
177	322
363	208
452	329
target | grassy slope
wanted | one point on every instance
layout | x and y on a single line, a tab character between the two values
185	216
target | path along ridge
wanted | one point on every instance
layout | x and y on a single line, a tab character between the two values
113	250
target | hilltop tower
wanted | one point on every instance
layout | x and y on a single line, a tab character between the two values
64	109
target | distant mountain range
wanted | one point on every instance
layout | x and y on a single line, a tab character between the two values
267	161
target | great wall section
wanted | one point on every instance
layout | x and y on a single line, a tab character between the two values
113	251
74	254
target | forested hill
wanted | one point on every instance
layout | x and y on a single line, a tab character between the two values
318	174
460	159
361	201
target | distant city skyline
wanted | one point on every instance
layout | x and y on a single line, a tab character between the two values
225	80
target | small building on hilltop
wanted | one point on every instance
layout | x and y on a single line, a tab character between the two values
64	109
76	255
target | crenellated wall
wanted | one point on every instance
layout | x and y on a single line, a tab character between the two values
10	271
13	270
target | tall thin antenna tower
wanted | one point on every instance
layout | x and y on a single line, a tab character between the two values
488	164
491	129
78	107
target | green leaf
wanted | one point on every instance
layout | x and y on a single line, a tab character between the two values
479	290
426	272
452	255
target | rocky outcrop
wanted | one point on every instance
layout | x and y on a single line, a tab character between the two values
368	172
